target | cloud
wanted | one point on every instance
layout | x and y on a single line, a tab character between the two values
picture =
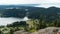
19	1
28	1
43	3
47	5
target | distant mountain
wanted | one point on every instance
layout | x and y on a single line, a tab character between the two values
30	11
17	6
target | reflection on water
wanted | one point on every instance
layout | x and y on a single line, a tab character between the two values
5	21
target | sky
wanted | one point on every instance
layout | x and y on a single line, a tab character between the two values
28	1
42	3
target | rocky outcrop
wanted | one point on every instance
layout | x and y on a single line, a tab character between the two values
21	32
49	30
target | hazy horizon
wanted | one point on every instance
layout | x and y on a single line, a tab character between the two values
42	3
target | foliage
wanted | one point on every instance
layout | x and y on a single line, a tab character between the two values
39	18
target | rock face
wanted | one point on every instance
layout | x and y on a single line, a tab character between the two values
49	30
21	32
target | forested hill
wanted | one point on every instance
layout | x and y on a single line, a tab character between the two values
32	12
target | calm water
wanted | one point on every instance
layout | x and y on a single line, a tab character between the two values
5	21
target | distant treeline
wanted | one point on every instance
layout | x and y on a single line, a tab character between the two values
32	12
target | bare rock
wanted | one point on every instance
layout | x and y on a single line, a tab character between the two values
21	32
48	30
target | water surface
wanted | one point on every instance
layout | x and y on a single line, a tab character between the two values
5	21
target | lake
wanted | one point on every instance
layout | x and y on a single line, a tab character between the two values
5	21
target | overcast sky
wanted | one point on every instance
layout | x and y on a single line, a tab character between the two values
43	3
28	1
